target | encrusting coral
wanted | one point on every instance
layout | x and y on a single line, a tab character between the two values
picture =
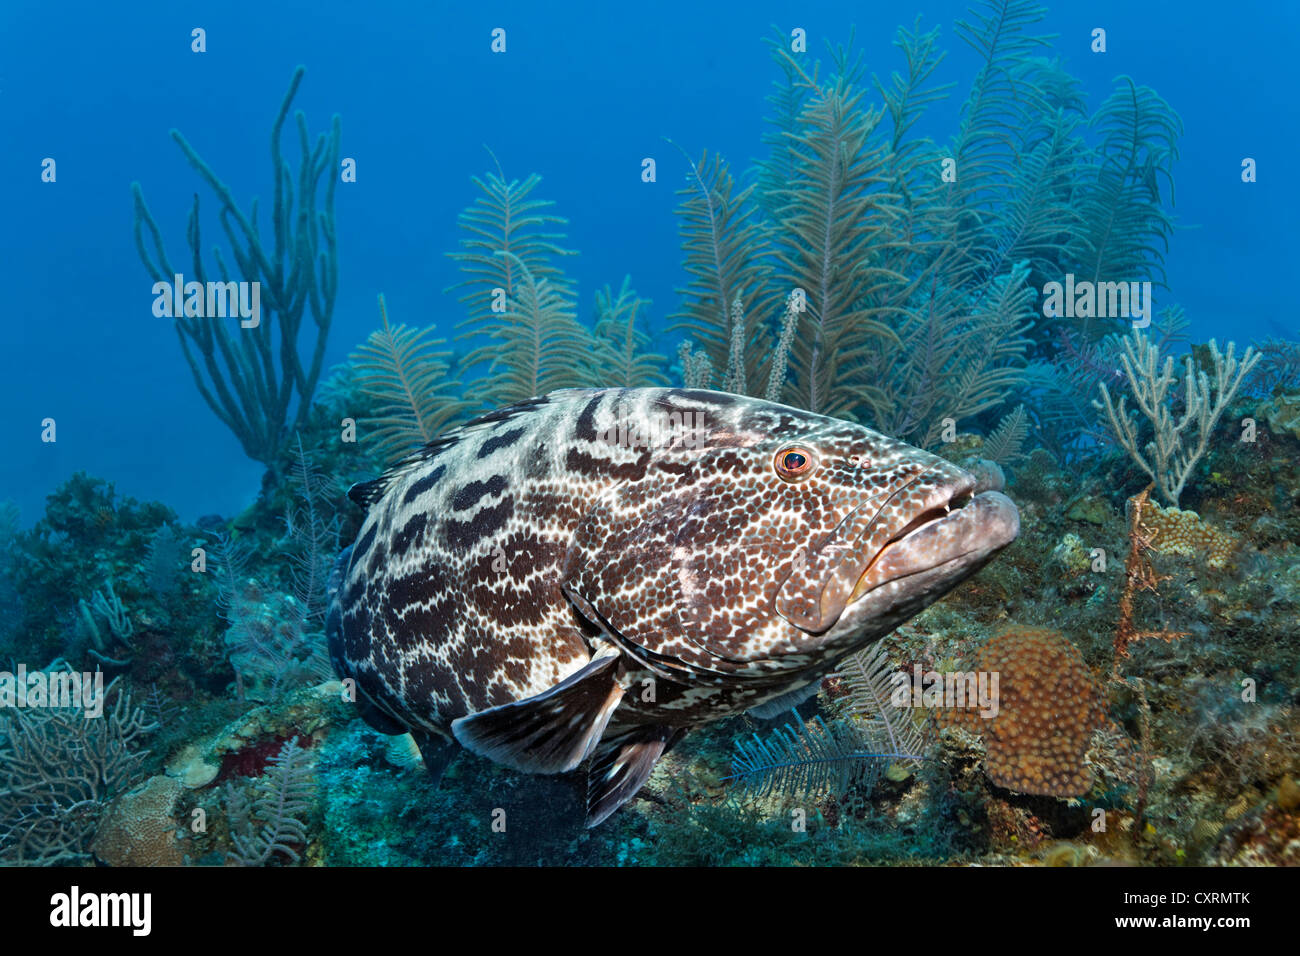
1174	531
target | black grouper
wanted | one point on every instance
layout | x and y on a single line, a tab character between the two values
584	576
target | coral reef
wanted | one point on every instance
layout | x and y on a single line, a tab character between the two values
844	276
89	533
1267	836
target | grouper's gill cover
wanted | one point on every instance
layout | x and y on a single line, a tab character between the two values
586	575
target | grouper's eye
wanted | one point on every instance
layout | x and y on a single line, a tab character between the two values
795	463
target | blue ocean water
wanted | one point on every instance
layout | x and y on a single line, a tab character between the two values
584	92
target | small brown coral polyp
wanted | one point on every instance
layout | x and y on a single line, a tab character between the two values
1049	706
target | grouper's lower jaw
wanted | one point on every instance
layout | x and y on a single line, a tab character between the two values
955	543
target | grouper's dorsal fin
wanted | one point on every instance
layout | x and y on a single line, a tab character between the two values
511	412
368	493
551	732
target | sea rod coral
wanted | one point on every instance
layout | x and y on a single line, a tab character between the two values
297	276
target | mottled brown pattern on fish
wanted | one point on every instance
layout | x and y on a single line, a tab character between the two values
510	553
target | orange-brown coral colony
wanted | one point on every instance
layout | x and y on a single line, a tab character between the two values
1050	704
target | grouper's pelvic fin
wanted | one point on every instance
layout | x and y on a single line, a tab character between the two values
551	732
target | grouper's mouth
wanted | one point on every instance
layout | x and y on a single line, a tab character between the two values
909	548
965	526
878	564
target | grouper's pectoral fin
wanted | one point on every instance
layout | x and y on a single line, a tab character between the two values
622	765
551	732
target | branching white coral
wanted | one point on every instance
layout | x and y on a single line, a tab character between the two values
1177	444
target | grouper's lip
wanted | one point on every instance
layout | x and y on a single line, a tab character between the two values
938	535
942	528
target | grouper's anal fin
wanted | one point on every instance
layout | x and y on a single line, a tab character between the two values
622	765
436	752
551	732
787	701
